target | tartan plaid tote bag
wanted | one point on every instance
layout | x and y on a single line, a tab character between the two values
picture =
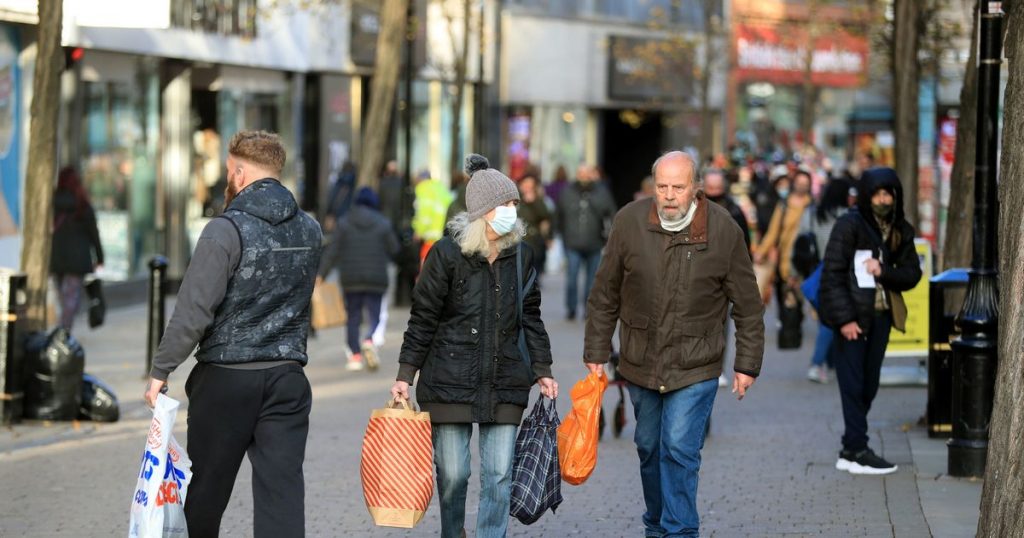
536	479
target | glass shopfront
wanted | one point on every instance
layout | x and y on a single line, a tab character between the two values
224	101
118	157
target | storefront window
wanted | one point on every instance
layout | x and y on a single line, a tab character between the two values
118	165
217	116
557	138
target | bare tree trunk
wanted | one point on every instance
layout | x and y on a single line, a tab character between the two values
42	158
956	249
809	95
460	57
1003	493
905	89
808	106
382	93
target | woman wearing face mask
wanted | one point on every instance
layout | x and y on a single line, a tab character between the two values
777	244
869	261
462	340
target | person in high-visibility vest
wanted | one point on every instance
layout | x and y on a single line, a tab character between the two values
431	207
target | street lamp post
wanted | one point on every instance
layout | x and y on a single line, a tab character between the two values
975	351
406	277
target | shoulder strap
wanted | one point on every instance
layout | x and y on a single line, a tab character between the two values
521	290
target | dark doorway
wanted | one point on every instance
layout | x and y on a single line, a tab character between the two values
632	141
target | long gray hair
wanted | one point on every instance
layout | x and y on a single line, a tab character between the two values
471	235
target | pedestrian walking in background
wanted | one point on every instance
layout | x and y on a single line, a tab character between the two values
672	267
361	247
583	214
769	191
343	192
870	260
390	194
250	317
462	339
777	244
557	185
646	189
431	209
533	211
819	221
716	188
76	249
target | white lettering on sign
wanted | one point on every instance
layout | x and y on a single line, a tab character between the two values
761	55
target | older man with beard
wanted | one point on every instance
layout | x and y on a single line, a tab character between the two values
672	267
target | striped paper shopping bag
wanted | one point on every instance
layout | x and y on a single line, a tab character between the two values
397	466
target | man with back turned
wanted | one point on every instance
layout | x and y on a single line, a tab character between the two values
245	302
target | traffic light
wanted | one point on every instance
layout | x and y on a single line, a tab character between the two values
72	55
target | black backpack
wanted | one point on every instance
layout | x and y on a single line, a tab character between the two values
805	249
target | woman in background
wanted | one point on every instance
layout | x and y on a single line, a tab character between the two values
76	243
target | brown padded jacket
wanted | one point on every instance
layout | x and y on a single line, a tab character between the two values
671	291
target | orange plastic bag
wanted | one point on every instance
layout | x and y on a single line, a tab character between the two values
578	433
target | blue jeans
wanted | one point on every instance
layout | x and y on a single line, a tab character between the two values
576	259
451	456
669	437
355	303
823	353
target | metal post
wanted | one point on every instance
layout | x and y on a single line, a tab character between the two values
157	300
407	269
478	91
975	351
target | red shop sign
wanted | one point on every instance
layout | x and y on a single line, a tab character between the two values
778	55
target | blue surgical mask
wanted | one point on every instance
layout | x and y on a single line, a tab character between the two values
783	193
504	219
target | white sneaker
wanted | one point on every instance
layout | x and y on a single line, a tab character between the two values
845	461
354	364
369	352
818	374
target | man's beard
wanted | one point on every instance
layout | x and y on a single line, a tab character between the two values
679	215
230	192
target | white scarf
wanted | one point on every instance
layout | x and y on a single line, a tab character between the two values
678	225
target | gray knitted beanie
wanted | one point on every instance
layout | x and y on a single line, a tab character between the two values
487	187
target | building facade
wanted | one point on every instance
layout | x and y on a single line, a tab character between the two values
155	89
608	83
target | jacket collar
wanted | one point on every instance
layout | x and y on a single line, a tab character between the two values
504	253
695	233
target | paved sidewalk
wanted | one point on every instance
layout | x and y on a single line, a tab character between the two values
767	471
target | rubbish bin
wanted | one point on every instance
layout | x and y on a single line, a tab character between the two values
12	356
946	290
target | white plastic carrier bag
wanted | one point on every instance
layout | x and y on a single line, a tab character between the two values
158	504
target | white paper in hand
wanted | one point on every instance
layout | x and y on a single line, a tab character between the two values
158	505
860	269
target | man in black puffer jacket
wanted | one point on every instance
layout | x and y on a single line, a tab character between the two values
362	246
863	303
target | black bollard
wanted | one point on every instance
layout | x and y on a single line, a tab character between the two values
975	352
157	300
